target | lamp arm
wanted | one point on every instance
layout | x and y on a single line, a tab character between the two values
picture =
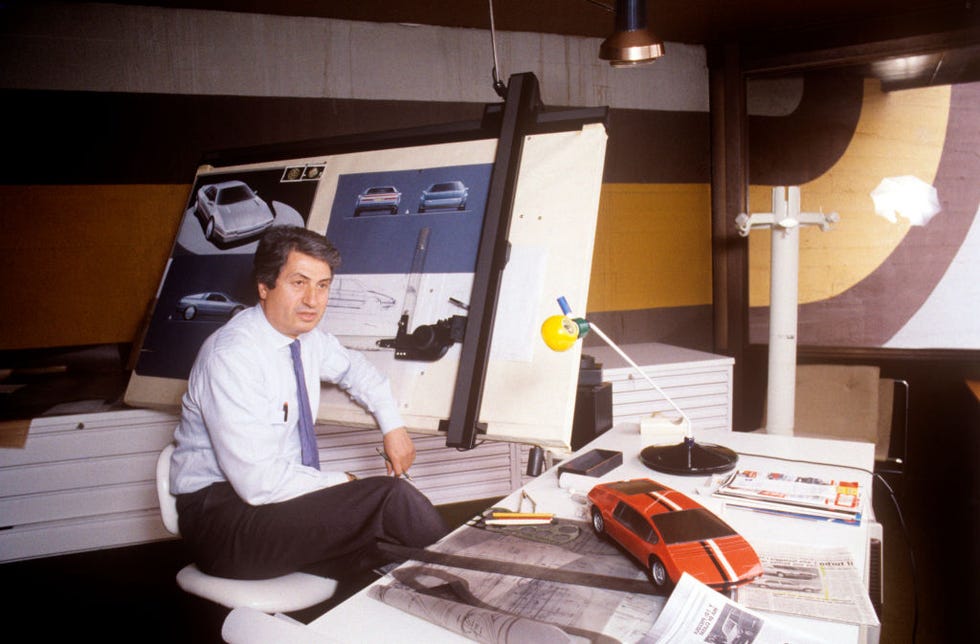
605	338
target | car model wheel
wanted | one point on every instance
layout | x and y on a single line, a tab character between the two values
190	312
658	573
235	311
597	522
209	229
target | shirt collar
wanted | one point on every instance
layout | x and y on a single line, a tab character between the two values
270	334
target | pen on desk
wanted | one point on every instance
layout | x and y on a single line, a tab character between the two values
285	412
383	455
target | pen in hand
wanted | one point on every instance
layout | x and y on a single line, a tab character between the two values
383	455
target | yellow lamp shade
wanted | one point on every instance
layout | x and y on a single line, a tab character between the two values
559	332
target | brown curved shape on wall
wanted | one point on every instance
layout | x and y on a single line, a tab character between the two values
657	147
820	129
918	263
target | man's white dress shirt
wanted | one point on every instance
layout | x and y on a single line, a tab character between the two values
239	414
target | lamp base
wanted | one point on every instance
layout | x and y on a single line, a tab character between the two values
688	458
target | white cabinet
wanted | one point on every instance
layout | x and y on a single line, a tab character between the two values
82	482
699	383
87	481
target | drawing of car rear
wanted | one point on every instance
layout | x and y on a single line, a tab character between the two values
211	305
447	194
231	211
378	199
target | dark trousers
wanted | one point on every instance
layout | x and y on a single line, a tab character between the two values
332	532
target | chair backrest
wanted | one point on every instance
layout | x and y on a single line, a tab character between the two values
837	401
893	421
291	592
853	402
168	503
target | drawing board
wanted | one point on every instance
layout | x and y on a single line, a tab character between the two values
407	221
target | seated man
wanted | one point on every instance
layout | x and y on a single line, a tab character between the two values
249	507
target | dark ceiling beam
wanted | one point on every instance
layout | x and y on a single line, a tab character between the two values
862	43
768	23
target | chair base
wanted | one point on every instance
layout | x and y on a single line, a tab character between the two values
291	592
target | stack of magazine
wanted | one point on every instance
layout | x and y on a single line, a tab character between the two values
787	493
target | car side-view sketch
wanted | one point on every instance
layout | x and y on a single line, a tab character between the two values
669	533
447	194
231	211
378	198
791	572
349	293
210	305
792	585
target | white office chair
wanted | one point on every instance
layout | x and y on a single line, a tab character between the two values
291	592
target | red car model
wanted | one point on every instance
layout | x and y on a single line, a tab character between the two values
670	533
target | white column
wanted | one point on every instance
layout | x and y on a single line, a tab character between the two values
783	297
784	221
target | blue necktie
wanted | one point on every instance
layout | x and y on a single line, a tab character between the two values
307	436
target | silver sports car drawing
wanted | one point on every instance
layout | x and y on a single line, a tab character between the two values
231	211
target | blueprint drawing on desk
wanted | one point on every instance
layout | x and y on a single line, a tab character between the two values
514	602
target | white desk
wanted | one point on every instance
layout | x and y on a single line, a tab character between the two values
362	619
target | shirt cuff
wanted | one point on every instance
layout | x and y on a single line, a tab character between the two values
388	419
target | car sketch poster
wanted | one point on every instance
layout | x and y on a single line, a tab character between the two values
209	276
418	261
412	258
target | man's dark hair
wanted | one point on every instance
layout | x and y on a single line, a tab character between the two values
276	244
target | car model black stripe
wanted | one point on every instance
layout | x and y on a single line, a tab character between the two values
719	560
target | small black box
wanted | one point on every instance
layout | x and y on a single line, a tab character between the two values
595	462
589	371
593	413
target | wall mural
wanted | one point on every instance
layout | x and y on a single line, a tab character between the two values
876	279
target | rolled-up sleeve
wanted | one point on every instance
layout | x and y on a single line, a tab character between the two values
362	381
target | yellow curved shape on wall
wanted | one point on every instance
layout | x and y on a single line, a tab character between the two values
897	133
652	247
82	263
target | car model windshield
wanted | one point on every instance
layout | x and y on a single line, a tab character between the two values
690	525
638	486
446	187
234	194
380	191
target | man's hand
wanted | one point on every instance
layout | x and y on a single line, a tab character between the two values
400	450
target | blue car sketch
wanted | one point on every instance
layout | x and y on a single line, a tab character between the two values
446	194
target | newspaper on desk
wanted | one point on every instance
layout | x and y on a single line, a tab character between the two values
510	608
696	614
820	582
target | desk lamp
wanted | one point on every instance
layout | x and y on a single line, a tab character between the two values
560	332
